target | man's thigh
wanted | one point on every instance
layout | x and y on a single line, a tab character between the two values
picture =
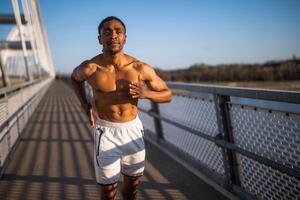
106	159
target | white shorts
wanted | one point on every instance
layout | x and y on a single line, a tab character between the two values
119	148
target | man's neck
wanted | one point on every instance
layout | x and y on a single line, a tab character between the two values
117	60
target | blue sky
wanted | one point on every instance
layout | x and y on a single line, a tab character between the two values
172	34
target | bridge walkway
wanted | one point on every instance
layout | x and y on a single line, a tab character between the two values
54	159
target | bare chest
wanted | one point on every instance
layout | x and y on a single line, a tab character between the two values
108	81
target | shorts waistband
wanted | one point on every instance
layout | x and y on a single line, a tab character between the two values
132	123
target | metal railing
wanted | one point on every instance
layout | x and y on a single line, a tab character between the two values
17	103
246	140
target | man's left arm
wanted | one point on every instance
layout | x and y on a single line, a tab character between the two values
150	86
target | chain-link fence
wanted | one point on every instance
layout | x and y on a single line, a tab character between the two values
249	139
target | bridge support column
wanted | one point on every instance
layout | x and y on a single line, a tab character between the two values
225	129
5	78
16	10
157	122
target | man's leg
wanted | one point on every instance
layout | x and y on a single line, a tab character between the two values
130	187
109	192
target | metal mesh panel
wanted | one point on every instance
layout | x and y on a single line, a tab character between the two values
14	103
200	115
3	111
13	135
267	183
21	123
4	149
27	93
195	113
147	120
145	104
30	110
273	135
202	150
25	116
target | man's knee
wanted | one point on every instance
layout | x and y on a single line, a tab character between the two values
108	192
131	181
130	187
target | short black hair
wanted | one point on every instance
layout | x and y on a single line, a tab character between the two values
109	19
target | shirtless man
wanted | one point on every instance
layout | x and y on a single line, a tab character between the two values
118	81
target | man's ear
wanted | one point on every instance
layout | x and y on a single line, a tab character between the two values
99	39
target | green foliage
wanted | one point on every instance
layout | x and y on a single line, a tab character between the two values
285	70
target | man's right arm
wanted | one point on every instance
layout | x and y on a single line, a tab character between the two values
79	75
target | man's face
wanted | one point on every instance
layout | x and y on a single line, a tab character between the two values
112	37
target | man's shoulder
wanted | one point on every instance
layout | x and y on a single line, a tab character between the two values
92	63
145	70
96	61
86	68
138	64
144	67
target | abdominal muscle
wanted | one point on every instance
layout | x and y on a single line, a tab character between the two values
116	113
111	96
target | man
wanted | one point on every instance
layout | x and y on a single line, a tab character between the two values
118	81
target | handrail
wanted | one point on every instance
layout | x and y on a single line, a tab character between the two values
13	88
263	94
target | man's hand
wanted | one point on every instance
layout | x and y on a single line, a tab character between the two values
138	90
89	111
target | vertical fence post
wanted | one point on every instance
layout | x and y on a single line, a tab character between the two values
5	79
20	27
225	129
157	122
